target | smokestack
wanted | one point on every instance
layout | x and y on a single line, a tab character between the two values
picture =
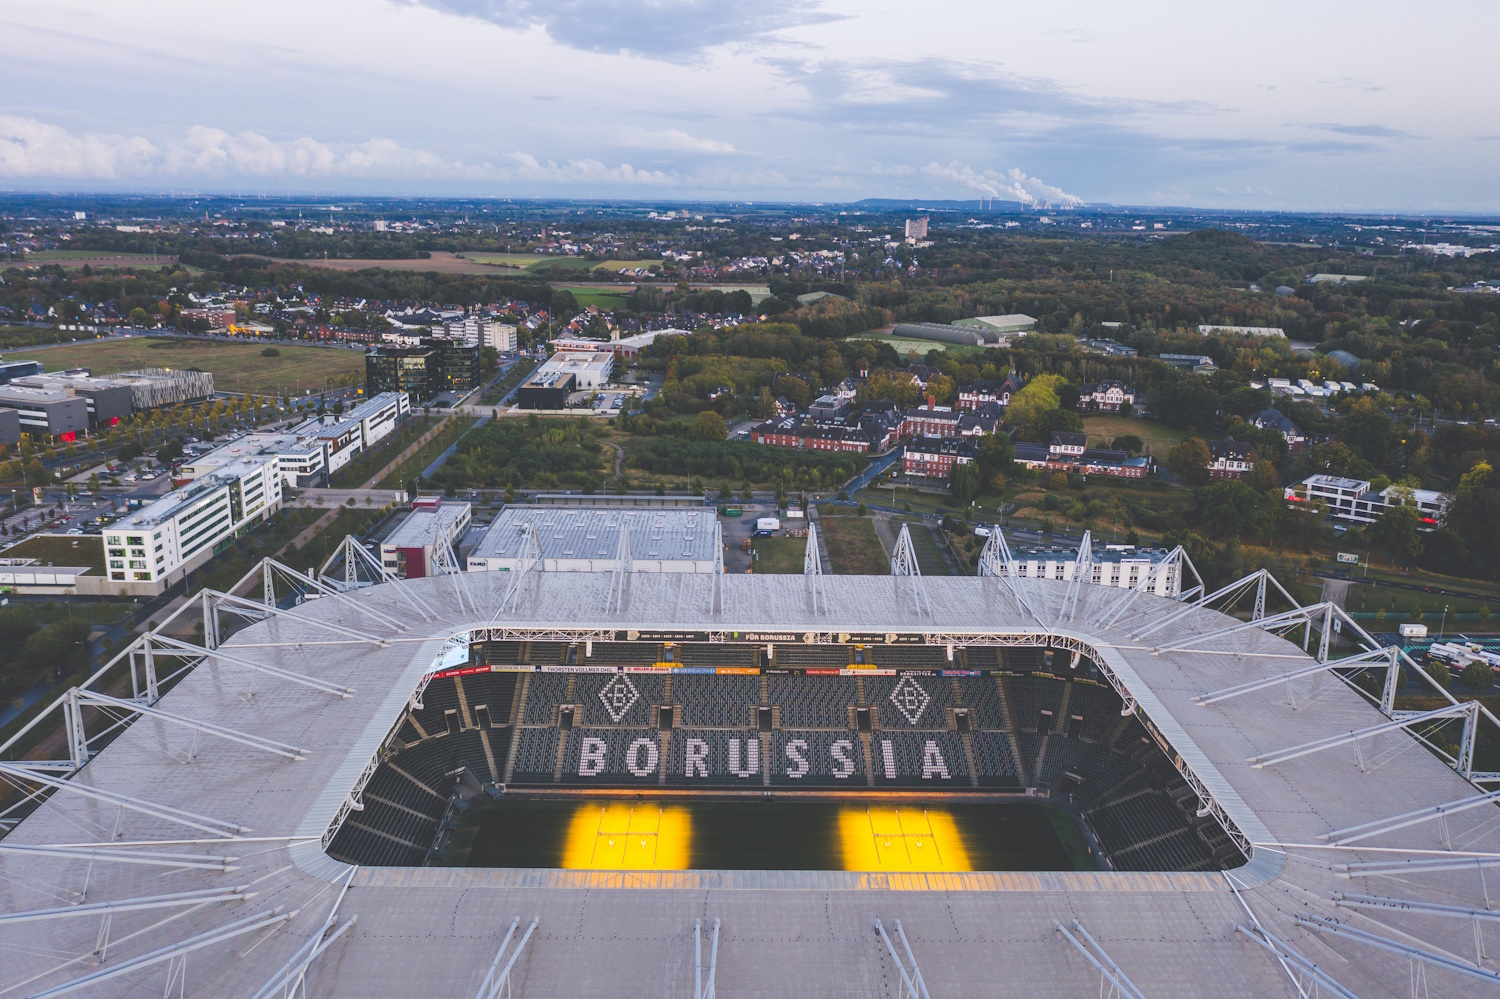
932	402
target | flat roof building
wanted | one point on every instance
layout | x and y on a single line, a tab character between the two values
561	375
183	529
587	539
109	400
409	550
44	413
304	459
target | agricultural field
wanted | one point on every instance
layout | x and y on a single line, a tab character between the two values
236	367
95	258
1157	436
441	261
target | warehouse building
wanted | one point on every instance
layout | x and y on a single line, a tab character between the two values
587	539
155	545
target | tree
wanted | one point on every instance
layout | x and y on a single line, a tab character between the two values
795	390
1398	532
1039	396
1478	675
1229	506
1189	461
1129	443
709	426
964	483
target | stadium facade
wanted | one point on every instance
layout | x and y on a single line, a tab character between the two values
188	830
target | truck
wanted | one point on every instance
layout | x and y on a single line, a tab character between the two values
1413	631
767	525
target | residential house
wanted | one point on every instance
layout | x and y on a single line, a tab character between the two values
1107	396
1229	459
1277	420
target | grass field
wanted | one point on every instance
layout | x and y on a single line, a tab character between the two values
97	258
604	298
853	548
510	261
62	549
236	367
779	555
902	344
1159	437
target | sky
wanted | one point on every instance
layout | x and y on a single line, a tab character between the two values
1325	106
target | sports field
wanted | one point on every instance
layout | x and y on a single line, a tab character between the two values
236	367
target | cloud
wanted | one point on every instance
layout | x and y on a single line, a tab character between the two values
943	98
657	29
672	139
30	148
38	150
1358	83
1010	185
1367	131
527	167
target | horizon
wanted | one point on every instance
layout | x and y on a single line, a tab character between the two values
1301	110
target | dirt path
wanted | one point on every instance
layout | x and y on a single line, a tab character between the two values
619	459
326	521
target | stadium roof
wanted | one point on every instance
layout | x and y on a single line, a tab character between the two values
435	931
656	535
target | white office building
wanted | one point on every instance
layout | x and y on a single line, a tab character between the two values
183	529
1121	566
587	539
344	436
1353	500
303	458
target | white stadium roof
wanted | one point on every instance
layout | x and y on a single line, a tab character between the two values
436	931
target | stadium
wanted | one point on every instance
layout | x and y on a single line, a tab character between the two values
542	784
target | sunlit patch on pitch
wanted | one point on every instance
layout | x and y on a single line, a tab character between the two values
621	836
901	839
